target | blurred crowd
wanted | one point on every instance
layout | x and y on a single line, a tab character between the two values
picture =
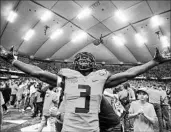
29	93
159	95
161	71
42	99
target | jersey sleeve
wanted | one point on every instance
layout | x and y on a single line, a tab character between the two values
68	73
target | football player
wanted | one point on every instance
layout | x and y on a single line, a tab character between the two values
83	87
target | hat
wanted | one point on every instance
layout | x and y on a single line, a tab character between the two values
142	89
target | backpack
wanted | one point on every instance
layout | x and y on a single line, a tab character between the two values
124	101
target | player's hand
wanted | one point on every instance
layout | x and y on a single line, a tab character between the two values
7	55
164	57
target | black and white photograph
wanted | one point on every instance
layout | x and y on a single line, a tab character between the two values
85	66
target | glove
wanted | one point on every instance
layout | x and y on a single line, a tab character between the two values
166	53
161	58
7	55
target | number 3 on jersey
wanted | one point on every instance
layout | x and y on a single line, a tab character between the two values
87	99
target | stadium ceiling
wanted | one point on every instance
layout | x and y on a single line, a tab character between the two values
100	27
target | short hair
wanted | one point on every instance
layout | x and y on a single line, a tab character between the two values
126	85
51	87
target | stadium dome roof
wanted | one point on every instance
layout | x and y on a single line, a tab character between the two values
101	28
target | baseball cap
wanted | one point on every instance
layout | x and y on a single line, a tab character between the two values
144	89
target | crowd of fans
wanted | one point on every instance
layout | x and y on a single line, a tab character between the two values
158	72
27	92
159	95
24	93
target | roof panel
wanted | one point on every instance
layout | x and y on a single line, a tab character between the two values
70	48
125	4
49	4
104	10
138	12
114	23
6	6
68	9
27	17
121	52
56	44
100	52
98	29
140	52
86	3
86	23
159	6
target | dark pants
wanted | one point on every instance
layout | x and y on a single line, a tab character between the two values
166	116
13	99
4	107
1	114
108	119
27	103
38	108
158	110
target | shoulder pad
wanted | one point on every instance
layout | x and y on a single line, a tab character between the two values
103	72
69	73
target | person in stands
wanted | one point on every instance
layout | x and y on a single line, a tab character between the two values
143	112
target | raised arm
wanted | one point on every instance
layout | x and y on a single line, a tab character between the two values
36	72
32	70
119	78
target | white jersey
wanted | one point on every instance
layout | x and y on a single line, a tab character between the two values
82	98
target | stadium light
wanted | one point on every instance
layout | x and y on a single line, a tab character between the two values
12	16
47	15
119	40
156	21
84	13
56	34
80	36
120	15
140	39
29	34
165	42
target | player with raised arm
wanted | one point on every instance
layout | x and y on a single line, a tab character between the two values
83	86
